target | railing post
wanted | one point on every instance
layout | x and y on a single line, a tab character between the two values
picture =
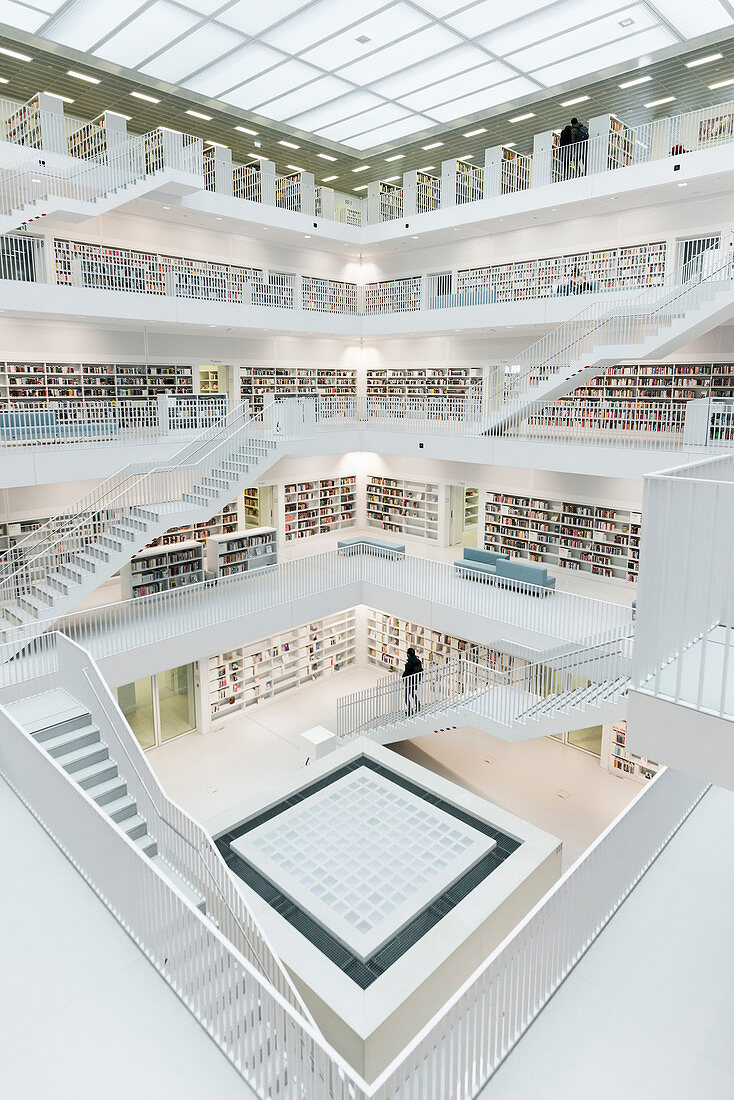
267	182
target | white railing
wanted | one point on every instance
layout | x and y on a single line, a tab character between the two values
268	1041
428	194
393	295
571	347
246	182
437	415
288	192
391	204
22	259
583	676
364	574
469	184
685	606
121	421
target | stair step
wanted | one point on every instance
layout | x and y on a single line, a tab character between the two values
57	584
96	774
109	790
188	891
134	826
18	616
64	743
120	808
79	759
147	845
49	714
46	591
37	606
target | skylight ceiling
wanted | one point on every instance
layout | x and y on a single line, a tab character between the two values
368	72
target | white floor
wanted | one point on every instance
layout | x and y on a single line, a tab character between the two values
647	1013
212	776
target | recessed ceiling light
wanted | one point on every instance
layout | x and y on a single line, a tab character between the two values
473	133
3	80
166	208
509	144
722	83
703	60
363	187
117	114
35	179
428	168
325	156
82	76
219	144
63	98
295	168
397	156
219	219
15	54
307	236
362	168
636	81
244	130
573	102
626	22
659	102
414	238
521	118
465	156
390	179
329	179
289	145
363	39
147	98
256	156
198	114
433	145
682	184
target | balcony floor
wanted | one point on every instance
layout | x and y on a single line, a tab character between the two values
701	669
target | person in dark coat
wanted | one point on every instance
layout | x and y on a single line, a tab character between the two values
412	676
572	155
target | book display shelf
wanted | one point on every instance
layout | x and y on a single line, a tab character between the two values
163	568
471	508
604	542
328	295
223	523
641	265
39	383
621	397
259	384
91	140
261	671
469	182
433	381
394	295
241	551
403	507
319	507
23	127
388	639
621	760
428	192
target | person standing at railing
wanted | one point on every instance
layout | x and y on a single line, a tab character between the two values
412	674
572	151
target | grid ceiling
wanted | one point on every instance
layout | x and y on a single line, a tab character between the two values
366	73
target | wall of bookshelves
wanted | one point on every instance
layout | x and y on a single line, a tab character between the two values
86	382
241	551
437	380
626	390
319	507
388	639
223	523
259	383
582	537
163	568
621	760
261	671
403	507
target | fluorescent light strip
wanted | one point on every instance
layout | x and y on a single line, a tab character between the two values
289	145
721	84
3	80
15	54
475	133
362	168
703	60
521	118
659	102
198	114
573	102
329	179
634	83
428	168
390	179
325	156
219	144
244	130
295	168
82	76
362	188
118	114
143	96
63	98
509	145
433	145
398	156
465	156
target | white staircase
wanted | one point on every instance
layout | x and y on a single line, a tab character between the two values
557	694
64	729
647	324
49	572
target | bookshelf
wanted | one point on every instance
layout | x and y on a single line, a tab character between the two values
469	182
389	636
319	507
394	295
624	762
257	506
162	569
31	382
403	507
430	381
621	149
223	523
258	384
328	295
621	396
24	126
241	551
428	192
262	671
471	508
587	538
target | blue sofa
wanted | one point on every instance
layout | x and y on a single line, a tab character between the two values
353	546
478	564
500	569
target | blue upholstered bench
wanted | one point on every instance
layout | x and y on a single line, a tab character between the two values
353	546
522	575
478	564
22	425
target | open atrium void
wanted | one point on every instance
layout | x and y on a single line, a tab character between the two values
366	604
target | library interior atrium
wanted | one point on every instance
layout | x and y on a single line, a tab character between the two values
366	492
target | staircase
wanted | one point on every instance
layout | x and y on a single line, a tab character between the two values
533	700
48	573
64	729
648	324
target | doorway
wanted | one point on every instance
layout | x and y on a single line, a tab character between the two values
463	515
159	708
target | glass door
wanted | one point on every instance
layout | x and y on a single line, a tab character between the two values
159	708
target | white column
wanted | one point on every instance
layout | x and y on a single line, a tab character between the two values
410	194
493	172
448	183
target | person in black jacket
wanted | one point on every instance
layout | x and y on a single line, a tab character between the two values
573	154
412	676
